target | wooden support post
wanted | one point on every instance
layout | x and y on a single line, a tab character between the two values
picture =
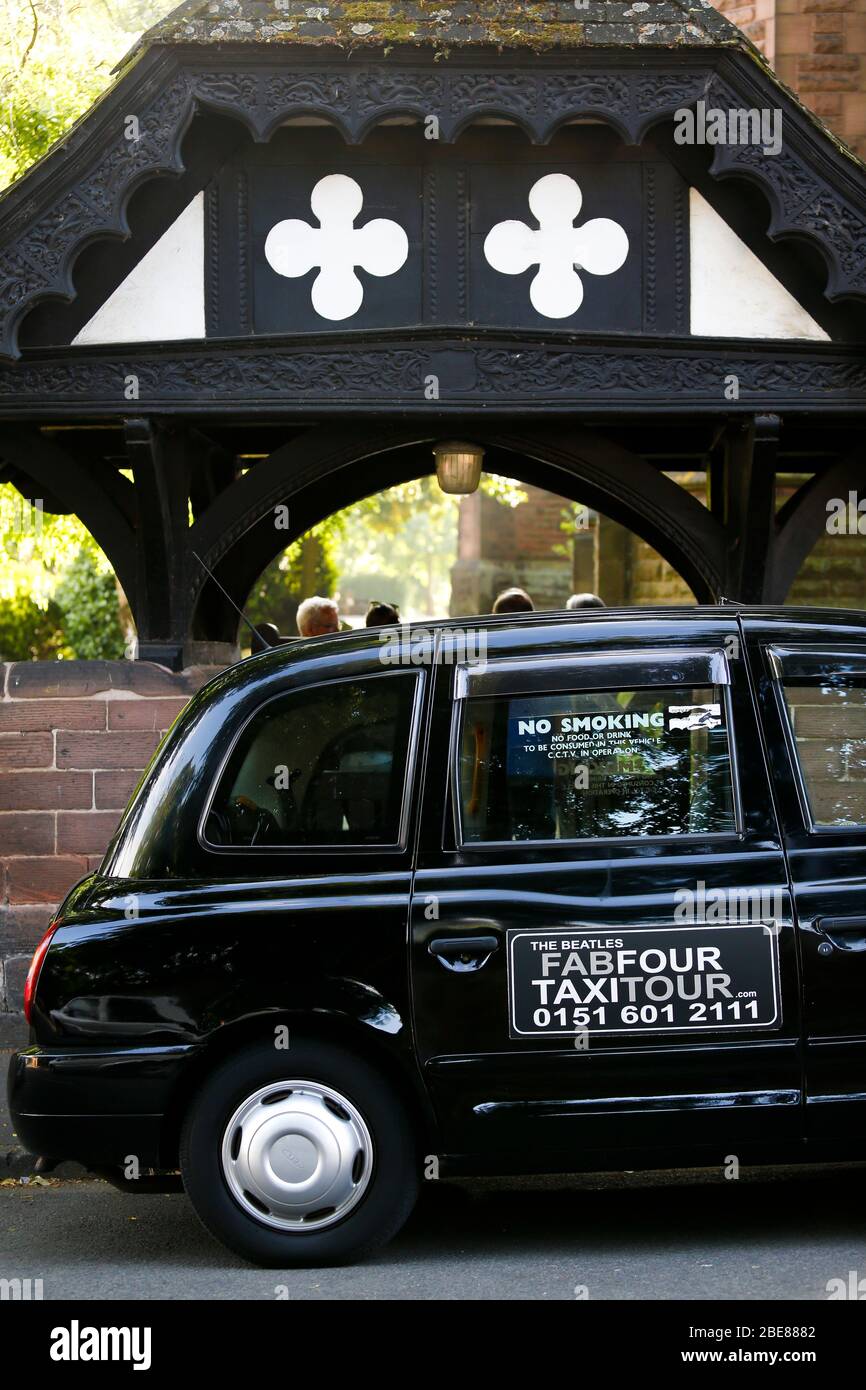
160	470
748	502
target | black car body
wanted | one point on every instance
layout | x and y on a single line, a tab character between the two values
544	893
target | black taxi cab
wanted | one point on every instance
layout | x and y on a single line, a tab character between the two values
543	893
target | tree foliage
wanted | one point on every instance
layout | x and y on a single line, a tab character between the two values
87	598
306	568
58	596
397	546
55	60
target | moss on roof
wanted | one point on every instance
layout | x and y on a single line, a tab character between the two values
555	24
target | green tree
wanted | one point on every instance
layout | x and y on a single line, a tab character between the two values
87	599
28	632
58	595
307	567
397	546
56	59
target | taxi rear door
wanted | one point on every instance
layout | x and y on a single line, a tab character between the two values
598	841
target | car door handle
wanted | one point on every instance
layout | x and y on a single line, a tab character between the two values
463	952
846	933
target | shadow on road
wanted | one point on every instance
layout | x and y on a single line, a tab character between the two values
604	1218
650	1211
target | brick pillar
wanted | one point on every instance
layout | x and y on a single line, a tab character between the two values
584	556
75	737
613	563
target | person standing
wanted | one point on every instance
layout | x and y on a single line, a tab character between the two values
318	616
513	601
382	615
584	601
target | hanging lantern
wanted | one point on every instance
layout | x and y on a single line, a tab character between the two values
458	466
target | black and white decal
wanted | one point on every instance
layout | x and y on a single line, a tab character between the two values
563	983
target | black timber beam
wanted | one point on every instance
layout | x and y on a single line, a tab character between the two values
159	461
77	487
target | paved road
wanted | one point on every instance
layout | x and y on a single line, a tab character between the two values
644	1237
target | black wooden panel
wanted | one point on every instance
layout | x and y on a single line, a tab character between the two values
447	199
499	193
283	305
665	250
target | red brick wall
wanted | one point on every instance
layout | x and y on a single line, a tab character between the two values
500	546
818	48
757	19
75	737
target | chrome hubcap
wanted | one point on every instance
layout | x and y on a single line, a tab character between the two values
297	1155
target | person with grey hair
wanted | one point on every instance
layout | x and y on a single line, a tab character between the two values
584	601
317	616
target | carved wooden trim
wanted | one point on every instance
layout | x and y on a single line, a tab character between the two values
212	257
650	251
82	190
244	286
490	370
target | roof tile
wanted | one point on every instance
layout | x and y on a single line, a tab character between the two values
555	24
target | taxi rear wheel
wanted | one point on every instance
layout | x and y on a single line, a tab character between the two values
299	1157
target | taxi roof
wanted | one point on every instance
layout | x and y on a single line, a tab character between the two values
359	639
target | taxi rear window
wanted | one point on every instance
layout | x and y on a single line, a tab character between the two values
595	764
824	693
325	765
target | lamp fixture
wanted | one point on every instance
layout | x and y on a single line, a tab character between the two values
458	466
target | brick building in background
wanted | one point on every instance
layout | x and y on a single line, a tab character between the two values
539	546
818	49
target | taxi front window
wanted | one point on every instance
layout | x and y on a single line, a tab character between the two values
593	764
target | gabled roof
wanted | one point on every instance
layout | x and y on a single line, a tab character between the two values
555	24
354	65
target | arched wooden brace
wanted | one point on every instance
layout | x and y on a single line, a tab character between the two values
105	505
237	537
803	519
331	467
744	490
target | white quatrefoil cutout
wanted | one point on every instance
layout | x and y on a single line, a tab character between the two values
558	248
337	246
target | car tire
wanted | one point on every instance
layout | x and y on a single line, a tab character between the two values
299	1157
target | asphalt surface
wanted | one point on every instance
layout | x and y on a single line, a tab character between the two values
769	1235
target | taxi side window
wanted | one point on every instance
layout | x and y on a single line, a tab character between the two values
595	764
827	715
325	765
